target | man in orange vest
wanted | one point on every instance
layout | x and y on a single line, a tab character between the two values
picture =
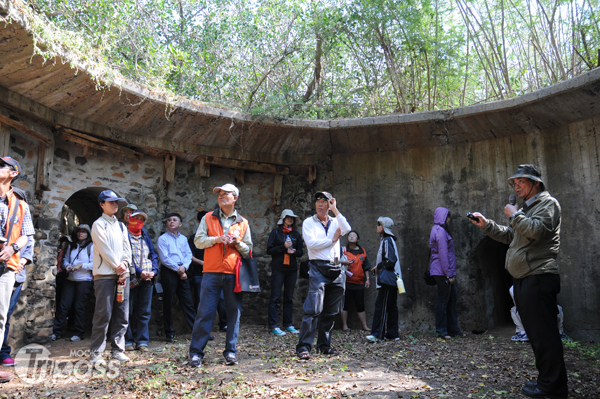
225	236
16	225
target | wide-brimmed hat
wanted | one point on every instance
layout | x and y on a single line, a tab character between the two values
387	224
83	227
139	213
286	212
227	187
321	194
529	171
133	207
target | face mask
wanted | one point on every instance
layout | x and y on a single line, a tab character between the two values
135	226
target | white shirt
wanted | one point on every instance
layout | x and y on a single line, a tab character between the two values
319	242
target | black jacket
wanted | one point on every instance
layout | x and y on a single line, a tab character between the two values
276	248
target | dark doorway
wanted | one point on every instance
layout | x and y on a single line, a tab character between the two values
494	281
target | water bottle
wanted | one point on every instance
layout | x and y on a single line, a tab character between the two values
120	292
400	285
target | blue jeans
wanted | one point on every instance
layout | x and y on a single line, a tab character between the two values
386	313
212	286
287	281
196	285
14	298
446	320
140	310
76	294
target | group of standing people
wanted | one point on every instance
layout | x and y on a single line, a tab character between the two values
119	262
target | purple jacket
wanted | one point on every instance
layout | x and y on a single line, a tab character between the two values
443	259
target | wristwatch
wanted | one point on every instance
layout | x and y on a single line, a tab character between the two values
15	247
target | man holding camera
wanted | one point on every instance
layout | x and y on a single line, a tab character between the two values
534	237
225	236
327	282
16	226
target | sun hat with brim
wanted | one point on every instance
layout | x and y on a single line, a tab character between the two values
387	224
83	227
139	213
109	195
133	207
227	187
528	171
323	194
285	213
12	162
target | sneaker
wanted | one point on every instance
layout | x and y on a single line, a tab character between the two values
223	329
393	339
129	348
76	338
142	348
292	330
121	357
520	337
55	337
97	359
564	337
277	331
170	338
9	362
196	361
211	338
371	338
231	359
5	377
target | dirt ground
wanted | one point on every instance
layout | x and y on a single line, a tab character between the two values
419	365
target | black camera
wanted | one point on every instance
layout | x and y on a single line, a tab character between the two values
472	217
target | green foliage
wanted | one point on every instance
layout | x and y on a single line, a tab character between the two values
329	59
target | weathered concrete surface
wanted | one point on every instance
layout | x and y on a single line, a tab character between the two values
408	186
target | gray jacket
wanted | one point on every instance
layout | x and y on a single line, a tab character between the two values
534	238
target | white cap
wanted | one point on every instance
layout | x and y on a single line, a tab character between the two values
227	187
139	213
286	212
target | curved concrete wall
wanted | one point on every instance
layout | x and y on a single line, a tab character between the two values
409	185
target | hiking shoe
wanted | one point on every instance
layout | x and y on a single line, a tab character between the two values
142	348
292	330
520	337
196	361
55	337
76	338
9	362
371	338
211	338
277	331
121	357
129	348
564	337
97	359
231	359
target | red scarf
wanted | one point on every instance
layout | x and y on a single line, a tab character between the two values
135	226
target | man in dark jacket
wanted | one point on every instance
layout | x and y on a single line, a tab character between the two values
534	237
145	260
285	246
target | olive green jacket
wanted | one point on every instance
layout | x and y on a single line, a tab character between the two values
534	238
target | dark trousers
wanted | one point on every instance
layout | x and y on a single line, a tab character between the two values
386	312
535	297
14	298
196	286
286	280
446	319
324	300
76	294
173	284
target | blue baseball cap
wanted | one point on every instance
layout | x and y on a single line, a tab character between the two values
12	162
109	195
